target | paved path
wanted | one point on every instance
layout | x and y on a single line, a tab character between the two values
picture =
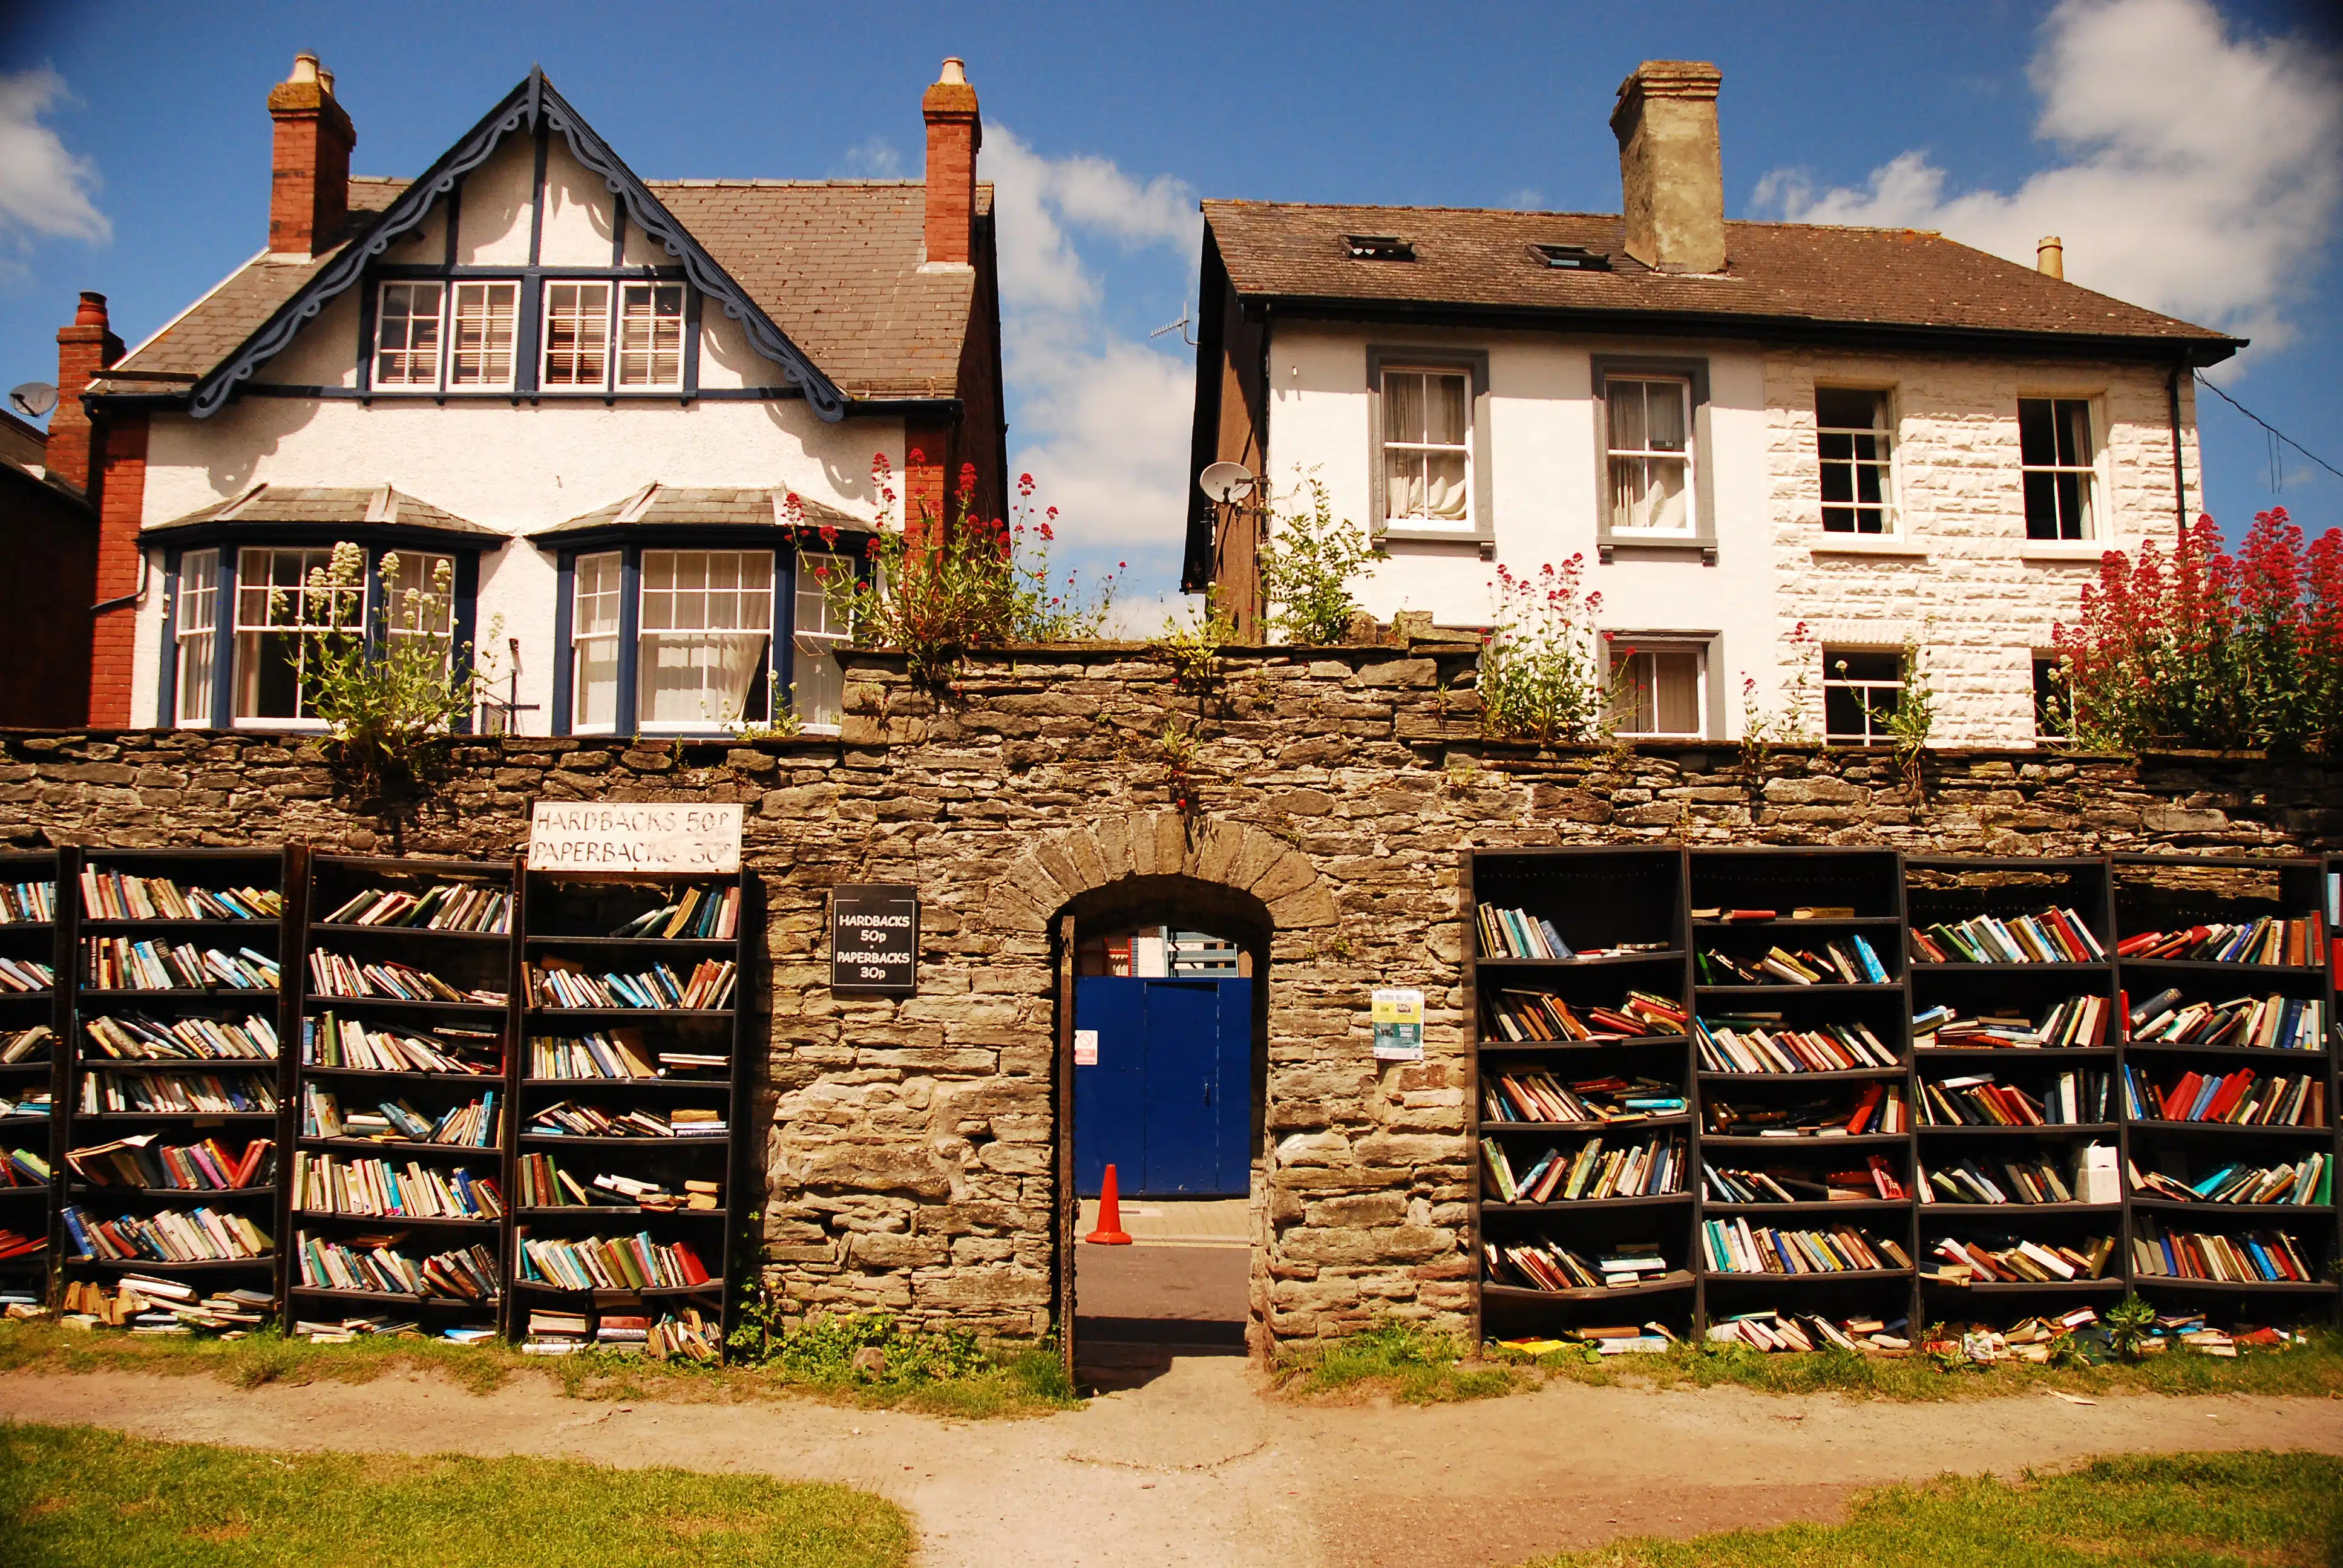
1196	1467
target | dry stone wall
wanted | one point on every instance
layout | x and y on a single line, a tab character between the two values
908	1145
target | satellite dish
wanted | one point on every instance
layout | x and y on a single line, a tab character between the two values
1227	483
33	399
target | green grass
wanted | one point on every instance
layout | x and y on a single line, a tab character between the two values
2181	1511
1397	1359
76	1497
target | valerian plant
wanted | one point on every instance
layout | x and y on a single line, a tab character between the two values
1541	664
2202	648
1308	562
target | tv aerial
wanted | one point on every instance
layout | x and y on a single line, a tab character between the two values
1227	483
1180	327
33	399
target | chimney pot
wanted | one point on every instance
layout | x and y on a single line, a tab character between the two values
2050	257
85	351
955	72
955	132
91	311
305	67
309	180
1671	172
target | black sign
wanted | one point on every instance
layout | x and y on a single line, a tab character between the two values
874	938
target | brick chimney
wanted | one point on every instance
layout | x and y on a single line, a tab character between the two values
955	131
1670	172
309	185
85	348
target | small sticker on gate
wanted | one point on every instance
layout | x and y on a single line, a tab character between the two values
1085	1048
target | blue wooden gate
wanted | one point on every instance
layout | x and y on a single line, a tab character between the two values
1170	1101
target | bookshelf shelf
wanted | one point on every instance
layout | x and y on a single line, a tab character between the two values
2309	972
2263	1287
1824	988
1582	1205
77	1190
2113	1285
1836	1075
1616	1042
2015	1055
610	1297
645	1144
187	1266
396	1298
1613	961
324	932
1674	1280
2063	967
1788	923
311	1070
1833	1276
1840	1141
1623	1124
619	1211
636	1014
1948	1212
1815	1206
2047	1129
2152	1048
380	1220
2276	1214
2228	1129
394	1146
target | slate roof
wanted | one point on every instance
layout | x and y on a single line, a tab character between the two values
1811	276
685	506
379	505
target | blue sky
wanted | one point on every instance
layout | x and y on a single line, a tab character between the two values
2187	151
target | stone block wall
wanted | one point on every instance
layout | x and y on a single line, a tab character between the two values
909	1145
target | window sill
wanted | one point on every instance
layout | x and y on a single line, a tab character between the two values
1869	545
2087	551
1486	544
1657	544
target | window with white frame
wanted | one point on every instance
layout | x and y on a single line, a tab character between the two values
419	598
281	603
484	327
577	335
1658	688
705	639
822	628
1649	421
2059	459
1427	442
1862	688
594	643
1855	443
650	335
407	335
195	622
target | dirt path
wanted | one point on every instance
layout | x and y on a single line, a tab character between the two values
1196	1468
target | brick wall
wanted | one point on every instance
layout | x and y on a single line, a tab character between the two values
121	500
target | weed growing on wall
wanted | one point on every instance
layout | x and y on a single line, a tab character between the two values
1308	562
1542	667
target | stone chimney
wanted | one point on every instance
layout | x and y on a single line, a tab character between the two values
955	131
1670	172
2050	257
309	185
84	350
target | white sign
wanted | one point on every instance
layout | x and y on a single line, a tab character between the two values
594	836
1398	1018
1085	1048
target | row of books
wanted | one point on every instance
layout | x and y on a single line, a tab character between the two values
611	1053
2079	1022
685	1335
2268	941
1776	1332
333	1040
2020	1262
23	1168
2261	1257
383	1325
1878	1109
1544	1264
135	1037
26	977
475	1125
112	896
177	1094
633	1263
32	1103
444	907
1762	1043
2309	1180
167	1236
2053	936
1598	1169
1537	1017
338	975
332	1184
1519	934
377	1265
2029	1181
1975	1100
1736	1247
28	903
16	1244
554	984
1542	1097
1875	1183
204	1167
564	1119
2241	1099
19	1044
149	1307
2262	1023
701	913
119	963
1849	961
543	1184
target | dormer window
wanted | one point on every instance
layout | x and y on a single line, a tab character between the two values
430	335
580	327
1571	257
1379	247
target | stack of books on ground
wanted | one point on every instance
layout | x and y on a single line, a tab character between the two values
1976	1100
1545	1264
177	1094
117	963
1624	1339
23	1167
2241	1099
557	983
134	1037
334	974
2033	1340
205	1167
2054	936
167	1236
1850	960
475	1125
1762	1043
605	1053
2308	1181
2021	1182
545	1185
1540	1096
2261	1023
2268	941
564	1119
2017	1261
634	1263
336	1042
111	896
557	1334
19	1045
2259	1257
685	1335
1533	1017
1736	1247
2078	1022
374	1264
348	1330
1596	1171
1875	1183
1878	1109
146	1305
28	903
327	1183
699	913
1779	1332
448	907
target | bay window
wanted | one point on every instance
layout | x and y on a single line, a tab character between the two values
820	689
282	602
705	656
594	643
196	627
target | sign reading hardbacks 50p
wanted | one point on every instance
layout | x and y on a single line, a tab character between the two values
587	836
874	938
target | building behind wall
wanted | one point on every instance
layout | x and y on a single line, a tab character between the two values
51	536
1742	429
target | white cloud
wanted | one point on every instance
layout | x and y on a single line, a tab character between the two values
2202	177
45	190
875	159
1102	421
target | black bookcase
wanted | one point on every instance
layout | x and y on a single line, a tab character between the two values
32	1084
474	1036
89	1120
573	919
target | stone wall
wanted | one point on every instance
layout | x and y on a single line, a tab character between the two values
908	1144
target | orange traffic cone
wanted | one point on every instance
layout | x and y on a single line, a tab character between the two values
1109	1233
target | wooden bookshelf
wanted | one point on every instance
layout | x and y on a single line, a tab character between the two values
476	948
29	1207
574	920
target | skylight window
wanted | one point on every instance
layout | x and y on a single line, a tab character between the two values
1379	247
1571	257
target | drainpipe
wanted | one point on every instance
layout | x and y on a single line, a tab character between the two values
2179	478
